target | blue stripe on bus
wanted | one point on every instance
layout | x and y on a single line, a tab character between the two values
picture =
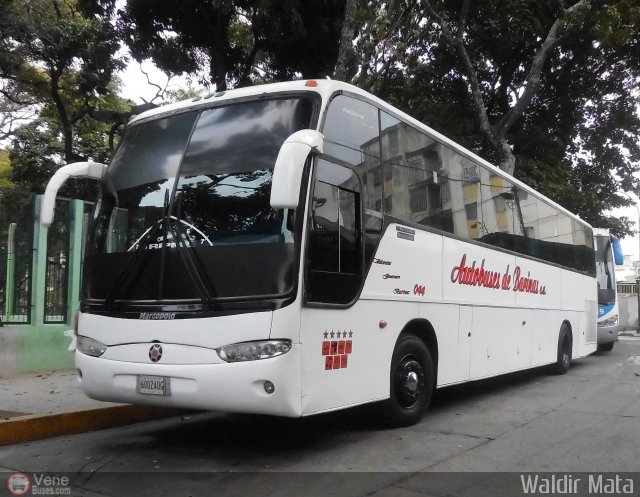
604	309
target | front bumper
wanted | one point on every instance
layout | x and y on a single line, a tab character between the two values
229	387
607	334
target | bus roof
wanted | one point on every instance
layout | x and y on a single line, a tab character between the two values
326	88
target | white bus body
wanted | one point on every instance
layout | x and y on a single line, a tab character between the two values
608	255
410	263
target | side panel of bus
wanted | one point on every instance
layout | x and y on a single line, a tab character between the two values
509	322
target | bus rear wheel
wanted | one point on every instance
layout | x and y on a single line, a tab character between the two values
412	382
565	347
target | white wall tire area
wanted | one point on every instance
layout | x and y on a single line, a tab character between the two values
412	382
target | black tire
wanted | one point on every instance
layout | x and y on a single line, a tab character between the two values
565	346
412	382
605	347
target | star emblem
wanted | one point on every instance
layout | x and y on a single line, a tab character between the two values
350	334
326	334
155	352
332	334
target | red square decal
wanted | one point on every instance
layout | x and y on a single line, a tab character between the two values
343	361
328	362
334	348
326	346
336	362
341	347
348	347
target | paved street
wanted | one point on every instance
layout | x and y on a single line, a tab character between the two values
585	421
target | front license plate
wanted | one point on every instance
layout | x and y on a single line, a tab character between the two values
153	385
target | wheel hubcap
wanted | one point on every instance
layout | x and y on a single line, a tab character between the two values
409	382
412	381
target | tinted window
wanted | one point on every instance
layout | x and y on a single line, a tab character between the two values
150	152
413	183
430	184
218	238
351	131
334	248
351	135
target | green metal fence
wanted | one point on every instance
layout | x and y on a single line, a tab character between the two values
39	269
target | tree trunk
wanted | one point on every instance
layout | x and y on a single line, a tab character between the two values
496	133
65	123
345	67
506	158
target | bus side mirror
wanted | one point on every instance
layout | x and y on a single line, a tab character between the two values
92	170
618	256
287	173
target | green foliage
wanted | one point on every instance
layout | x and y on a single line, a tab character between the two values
38	148
234	43
36	153
577	141
5	170
617	23
63	59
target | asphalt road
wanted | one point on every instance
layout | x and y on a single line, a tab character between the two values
477	439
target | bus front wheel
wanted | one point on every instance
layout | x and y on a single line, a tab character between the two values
412	382
605	347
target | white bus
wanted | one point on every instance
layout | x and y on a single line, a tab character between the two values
302	247
608	256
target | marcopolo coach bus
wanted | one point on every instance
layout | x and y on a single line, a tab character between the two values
608	255
302	247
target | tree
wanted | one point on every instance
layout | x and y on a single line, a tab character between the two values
38	148
545	89
233	43
59	57
16	108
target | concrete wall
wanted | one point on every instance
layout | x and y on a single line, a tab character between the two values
33	348
628	303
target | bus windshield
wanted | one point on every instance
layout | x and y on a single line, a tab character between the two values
184	214
605	271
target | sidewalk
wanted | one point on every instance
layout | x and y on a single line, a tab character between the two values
43	405
43	393
629	332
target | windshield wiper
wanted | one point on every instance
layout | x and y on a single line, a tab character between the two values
193	265
133	266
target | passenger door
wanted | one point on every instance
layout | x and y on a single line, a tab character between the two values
334	242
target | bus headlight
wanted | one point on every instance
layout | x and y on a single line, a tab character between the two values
91	347
253	351
612	321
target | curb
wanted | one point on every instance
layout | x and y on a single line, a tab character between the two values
38	426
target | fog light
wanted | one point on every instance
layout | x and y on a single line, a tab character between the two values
79	374
269	387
